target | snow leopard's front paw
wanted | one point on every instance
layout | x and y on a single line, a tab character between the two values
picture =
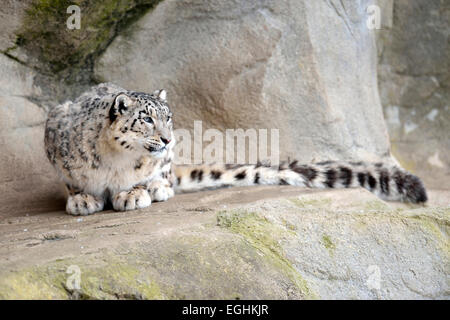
130	200
83	204
161	192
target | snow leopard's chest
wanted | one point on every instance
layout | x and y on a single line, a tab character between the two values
117	176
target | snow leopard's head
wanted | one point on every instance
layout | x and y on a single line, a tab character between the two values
142	123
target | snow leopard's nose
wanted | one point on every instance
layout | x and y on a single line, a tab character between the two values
165	141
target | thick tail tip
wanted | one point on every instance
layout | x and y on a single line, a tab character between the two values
415	190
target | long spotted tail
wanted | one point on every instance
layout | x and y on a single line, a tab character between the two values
386	181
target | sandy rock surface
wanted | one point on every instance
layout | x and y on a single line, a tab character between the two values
246	243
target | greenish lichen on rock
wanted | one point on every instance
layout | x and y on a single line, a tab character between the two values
304	202
328	243
115	280
265	236
435	221
32	283
45	36
376	205
119	281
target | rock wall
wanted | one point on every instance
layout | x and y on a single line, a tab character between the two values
27	181
414	82
307	68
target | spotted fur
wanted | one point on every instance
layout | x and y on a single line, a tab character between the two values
388	182
114	145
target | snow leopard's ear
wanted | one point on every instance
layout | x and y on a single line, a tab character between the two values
161	95
121	103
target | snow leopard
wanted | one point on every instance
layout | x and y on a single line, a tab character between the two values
113	146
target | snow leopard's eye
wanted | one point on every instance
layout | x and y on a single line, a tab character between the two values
148	119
